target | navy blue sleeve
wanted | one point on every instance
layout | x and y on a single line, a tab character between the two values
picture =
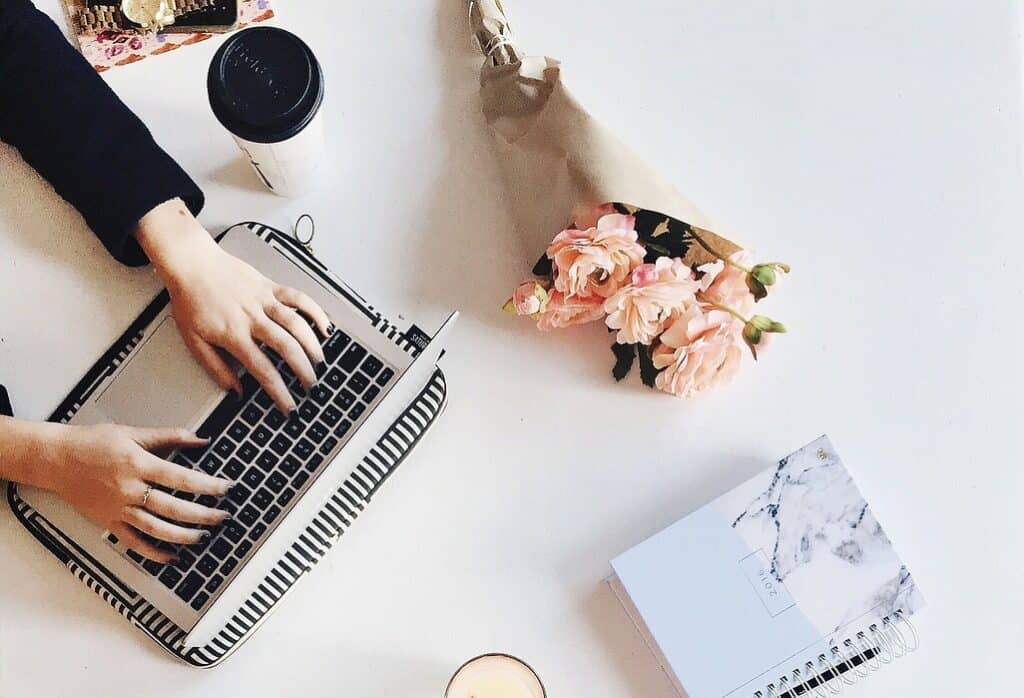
5	404
71	127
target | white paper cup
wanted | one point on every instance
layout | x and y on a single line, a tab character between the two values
266	88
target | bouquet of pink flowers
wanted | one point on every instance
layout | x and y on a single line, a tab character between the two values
685	325
679	297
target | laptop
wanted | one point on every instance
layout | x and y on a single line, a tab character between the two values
287	467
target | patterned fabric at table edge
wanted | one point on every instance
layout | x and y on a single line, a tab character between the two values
321	534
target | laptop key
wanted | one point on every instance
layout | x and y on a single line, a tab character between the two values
331	415
384	376
314	462
247	452
370	393
207	500
328	445
356	411
264	400
152	566
308	411
234	531
290	465
234	469
210	464
261	435
191	584
257	531
249	386
248	515
253	477
343	427
214	583
286	497
242	548
358	382
267	461
220	549
280	444
304	449
344	398
185	559
372	365
252	415
274	419
300	479
224	447
207	564
335	378
321	394
294	427
170	577
229	566
238	430
335	344
262	498
276	482
351	358
199	601
271	514
317	432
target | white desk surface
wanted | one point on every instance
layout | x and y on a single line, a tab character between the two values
876	146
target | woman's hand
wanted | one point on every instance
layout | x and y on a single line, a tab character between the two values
221	303
105	472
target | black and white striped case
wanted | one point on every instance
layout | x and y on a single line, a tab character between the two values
319	536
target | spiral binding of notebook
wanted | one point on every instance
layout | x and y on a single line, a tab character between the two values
847	663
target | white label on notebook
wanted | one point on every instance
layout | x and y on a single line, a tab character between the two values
768	587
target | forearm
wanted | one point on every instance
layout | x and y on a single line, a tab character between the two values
71	127
28	450
173	240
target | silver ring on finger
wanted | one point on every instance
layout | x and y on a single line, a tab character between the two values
145	496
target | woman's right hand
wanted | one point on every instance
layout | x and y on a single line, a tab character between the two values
105	471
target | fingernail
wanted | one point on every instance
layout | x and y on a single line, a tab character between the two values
204	535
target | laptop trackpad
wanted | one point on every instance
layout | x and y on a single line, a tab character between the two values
161	385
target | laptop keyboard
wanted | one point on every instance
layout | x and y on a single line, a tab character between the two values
273	458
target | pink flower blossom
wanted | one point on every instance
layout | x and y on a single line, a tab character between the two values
700	349
563	312
529	298
644	275
726	285
135	43
640	312
586	217
113	50
598	260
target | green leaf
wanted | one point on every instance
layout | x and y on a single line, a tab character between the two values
647	370
624	356
543	266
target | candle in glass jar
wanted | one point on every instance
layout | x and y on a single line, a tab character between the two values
495	676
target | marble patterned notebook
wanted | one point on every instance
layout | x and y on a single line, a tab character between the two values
786	586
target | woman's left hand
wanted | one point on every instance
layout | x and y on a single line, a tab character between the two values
221	303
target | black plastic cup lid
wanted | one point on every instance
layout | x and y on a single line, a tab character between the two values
265	84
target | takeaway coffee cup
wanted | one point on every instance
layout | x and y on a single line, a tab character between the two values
266	88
